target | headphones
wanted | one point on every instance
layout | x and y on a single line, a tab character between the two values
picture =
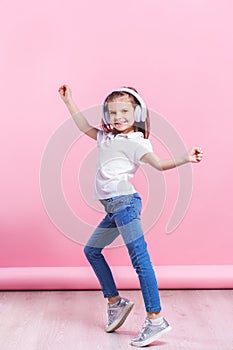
140	112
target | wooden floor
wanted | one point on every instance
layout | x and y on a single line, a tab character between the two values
73	320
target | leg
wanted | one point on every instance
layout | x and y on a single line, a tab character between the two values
142	264
118	308
129	225
104	234
155	325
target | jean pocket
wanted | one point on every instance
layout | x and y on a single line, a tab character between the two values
118	204
135	212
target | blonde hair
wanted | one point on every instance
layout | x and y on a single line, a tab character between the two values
144	127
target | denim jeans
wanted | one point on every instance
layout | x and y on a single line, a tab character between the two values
123	218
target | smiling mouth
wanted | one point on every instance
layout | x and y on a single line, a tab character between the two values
121	123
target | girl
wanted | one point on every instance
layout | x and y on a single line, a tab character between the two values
123	145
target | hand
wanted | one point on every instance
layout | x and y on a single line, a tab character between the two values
195	155
65	93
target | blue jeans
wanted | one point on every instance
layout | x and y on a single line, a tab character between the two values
123	217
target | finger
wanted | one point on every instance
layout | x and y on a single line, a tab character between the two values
198	151
62	90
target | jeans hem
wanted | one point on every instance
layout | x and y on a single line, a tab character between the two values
153	310
111	296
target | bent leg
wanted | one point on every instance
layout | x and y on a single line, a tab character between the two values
103	235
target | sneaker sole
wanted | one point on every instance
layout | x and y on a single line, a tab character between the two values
152	339
120	321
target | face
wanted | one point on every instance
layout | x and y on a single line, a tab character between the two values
121	114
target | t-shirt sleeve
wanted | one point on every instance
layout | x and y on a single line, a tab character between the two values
144	147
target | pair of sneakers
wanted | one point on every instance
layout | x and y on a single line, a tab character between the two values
151	331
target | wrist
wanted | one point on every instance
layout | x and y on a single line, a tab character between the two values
69	101
186	158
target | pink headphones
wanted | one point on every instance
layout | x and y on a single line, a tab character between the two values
140	112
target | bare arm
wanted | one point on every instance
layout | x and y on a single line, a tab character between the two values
78	117
194	155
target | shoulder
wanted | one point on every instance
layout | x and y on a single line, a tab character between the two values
103	136
139	138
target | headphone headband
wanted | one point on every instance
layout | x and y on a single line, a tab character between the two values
140	113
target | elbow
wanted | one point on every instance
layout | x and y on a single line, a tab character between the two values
158	165
159	168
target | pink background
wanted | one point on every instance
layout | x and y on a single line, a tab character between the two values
177	53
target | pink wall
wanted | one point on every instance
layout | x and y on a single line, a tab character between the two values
178	54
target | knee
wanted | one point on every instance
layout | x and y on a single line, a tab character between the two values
91	252
137	248
87	251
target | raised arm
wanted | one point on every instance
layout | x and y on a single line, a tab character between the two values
79	119
194	155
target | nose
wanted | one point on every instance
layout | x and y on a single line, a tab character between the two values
119	115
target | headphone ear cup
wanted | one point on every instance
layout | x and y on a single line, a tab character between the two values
137	113
144	115
105	116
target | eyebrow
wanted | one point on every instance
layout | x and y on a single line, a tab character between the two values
123	109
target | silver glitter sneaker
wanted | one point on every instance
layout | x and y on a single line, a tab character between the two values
117	314
150	333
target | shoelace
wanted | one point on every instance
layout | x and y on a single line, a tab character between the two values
144	327
110	316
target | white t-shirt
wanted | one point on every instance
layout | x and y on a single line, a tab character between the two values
118	160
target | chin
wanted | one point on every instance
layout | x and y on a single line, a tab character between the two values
121	128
